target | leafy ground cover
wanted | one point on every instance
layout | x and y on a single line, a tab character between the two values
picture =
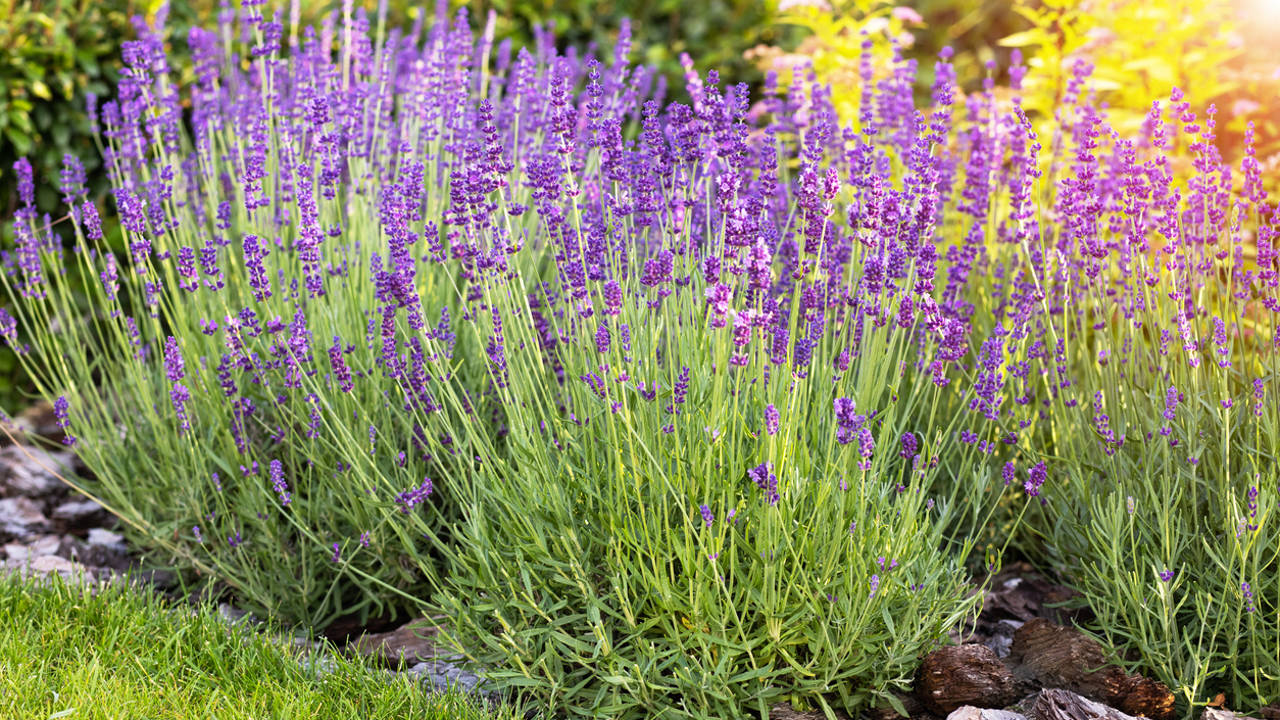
110	651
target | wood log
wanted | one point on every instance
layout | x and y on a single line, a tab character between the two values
959	675
1062	657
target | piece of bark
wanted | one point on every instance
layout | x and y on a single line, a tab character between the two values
1056	656
409	644
1059	704
969	712
959	675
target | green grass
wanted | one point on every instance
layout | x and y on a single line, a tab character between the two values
126	653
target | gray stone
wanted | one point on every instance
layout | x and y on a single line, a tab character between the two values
1211	713
50	564
443	673
21	517
106	538
27	470
104	548
77	512
1000	641
235	615
969	712
40	547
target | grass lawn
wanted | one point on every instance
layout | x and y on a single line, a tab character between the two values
122	653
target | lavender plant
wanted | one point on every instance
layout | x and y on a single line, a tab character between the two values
1137	312
666	410
721	417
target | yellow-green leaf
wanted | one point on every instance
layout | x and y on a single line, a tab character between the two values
1022	39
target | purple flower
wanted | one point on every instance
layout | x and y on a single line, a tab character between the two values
92	222
612	298
413	496
255	252
341	372
1170	403
771	419
1009	473
910	445
26	183
707	517
681	389
179	396
278	483
1166	575
1248	597
8	328
337	553
875	585
602	339
764	478
866	446
848	421
1035	479
60	413
173	364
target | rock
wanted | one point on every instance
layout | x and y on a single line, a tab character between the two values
443	674
235	615
26	471
158	579
969	712
106	538
1211	713
21	517
1000	639
1058	704
1062	657
411	644
79	513
40	547
50	564
959	675
104	548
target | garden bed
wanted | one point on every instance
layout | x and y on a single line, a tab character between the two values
683	408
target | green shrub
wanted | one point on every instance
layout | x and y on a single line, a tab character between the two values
1149	387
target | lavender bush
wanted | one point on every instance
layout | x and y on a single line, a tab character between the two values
1140	310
